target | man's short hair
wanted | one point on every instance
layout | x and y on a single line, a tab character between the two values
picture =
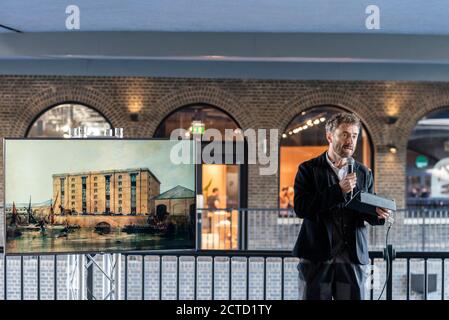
336	120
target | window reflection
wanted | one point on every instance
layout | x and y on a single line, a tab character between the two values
220	182
428	161
57	121
197	117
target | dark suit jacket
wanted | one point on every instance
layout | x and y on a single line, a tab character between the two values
317	197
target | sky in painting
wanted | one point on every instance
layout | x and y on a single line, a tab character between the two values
30	164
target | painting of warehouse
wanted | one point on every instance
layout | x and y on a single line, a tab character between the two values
178	201
127	192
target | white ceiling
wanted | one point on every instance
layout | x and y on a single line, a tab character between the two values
339	16
264	39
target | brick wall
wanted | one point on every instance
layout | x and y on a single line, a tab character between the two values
252	103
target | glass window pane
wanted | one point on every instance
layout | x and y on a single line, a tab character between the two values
220	182
305	139
57	121
428	161
193	116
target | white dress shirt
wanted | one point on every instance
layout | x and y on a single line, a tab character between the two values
341	173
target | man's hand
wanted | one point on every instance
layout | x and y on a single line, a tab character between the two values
348	183
383	213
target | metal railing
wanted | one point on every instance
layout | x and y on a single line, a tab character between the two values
277	229
244	286
415	230
255	238
424	257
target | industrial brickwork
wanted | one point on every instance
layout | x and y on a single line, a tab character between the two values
129	191
252	103
257	104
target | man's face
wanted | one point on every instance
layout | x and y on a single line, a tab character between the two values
344	139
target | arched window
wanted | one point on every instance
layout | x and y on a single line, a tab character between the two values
220	183
304	139
428	161
57	121
196	116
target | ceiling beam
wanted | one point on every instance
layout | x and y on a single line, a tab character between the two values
293	47
227	70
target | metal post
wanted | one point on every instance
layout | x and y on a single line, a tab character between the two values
424	213
240	241
199	226
126	278
245	229
76	289
106	282
90	279
426	275
55	277
21	277
38	277
81	283
79	265
391	256
71	276
117	278
111	270
5	277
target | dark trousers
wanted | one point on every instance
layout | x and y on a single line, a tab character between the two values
327	280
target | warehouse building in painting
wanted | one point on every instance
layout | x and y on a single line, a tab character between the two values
178	201
128	191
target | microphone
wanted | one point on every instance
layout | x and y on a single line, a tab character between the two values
350	168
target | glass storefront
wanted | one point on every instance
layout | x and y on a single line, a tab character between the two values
305	139
428	161
220	184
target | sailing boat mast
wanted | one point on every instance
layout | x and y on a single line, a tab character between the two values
52	210
14	214
31	218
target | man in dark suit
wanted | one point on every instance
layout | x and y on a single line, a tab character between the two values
332	244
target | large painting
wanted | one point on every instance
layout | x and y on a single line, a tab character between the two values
97	195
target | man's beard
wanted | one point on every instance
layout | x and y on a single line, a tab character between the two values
344	152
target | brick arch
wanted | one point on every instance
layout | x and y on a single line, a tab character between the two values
208	95
421	106
54	96
335	98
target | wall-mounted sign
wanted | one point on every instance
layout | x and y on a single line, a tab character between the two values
198	127
421	162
